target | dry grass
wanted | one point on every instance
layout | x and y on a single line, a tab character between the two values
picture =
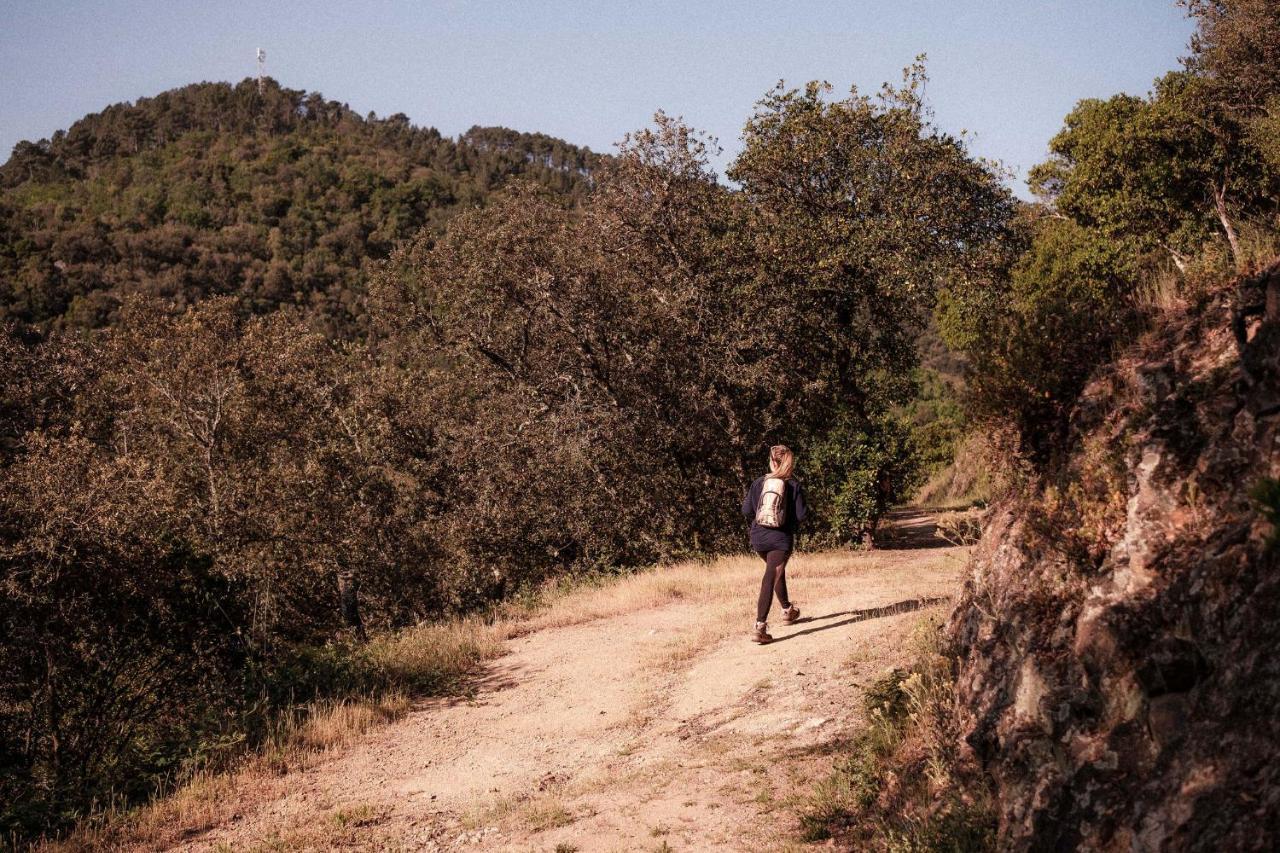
209	799
335	725
960	527
1171	290
347	828
438	658
536	812
963	483
565	604
544	814
696	582
434	657
900	785
1259	246
1162	293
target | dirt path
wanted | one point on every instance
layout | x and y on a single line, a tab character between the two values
659	729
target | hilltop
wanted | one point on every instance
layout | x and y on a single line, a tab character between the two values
280	198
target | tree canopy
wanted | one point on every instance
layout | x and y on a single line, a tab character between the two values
1137	190
281	199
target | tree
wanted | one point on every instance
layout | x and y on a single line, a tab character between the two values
1161	173
1237	46
861	214
1236	49
1157	174
1034	335
649	343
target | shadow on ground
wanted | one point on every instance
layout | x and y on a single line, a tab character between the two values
911	528
862	615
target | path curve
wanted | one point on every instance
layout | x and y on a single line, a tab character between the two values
662	728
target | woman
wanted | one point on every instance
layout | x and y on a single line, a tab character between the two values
775	507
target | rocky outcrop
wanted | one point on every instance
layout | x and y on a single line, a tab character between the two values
1119	632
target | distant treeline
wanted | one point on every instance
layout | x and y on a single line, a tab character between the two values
278	198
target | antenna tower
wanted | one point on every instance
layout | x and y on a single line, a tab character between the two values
262	70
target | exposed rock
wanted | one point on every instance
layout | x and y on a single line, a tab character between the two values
1120	629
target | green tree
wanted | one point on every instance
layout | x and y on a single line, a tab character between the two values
1033	338
861	210
1237	45
1159	174
861	214
280	198
1236	48
1132	183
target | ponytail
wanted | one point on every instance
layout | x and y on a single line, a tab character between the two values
782	462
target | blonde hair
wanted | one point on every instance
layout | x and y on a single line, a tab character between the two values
781	461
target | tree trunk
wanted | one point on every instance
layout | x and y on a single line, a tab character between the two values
349	602
1220	202
1179	259
54	716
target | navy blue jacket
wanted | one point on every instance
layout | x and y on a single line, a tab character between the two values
775	538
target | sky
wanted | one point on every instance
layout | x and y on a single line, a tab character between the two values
1006	72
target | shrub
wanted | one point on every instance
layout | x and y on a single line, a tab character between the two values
854	472
901	786
1032	349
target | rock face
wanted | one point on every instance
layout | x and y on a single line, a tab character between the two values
1120	629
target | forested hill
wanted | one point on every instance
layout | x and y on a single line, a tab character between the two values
281	198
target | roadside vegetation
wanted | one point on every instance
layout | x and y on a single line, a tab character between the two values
1146	205
900	784
398	670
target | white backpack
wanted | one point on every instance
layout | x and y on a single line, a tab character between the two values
772	509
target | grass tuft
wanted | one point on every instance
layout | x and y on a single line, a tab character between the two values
543	815
900	785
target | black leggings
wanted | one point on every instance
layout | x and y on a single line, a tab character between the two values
775	581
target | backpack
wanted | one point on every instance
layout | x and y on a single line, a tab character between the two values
771	511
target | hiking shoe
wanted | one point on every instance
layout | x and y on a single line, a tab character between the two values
762	634
790	615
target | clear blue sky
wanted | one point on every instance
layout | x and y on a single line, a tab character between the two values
1005	70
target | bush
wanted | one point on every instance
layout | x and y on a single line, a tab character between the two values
117	670
854	472
901	786
180	502
937	422
1032	348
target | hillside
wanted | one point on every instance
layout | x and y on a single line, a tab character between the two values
280	199
1116	632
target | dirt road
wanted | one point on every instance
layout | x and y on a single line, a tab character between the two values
661	728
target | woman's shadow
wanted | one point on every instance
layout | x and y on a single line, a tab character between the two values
862	615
